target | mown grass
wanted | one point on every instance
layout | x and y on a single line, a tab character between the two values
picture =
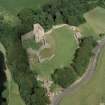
96	19
87	30
92	93
64	48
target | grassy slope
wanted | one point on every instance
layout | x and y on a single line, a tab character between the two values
65	46
94	92
14	95
96	19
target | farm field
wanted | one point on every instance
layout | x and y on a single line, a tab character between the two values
92	93
64	48
96	19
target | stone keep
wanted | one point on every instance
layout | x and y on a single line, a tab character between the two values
38	32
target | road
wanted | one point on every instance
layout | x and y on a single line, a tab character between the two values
85	78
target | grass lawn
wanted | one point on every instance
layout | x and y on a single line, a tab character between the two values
65	46
14	95
93	93
87	30
96	19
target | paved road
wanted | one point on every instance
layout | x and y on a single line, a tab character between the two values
85	78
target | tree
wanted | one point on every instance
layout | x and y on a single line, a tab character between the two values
58	18
83	54
26	15
64	76
37	99
2	79
27	19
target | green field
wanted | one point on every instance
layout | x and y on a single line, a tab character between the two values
14	95
92	93
65	46
96	19
87	30
14	6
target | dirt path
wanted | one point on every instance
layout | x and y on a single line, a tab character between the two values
55	27
85	78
